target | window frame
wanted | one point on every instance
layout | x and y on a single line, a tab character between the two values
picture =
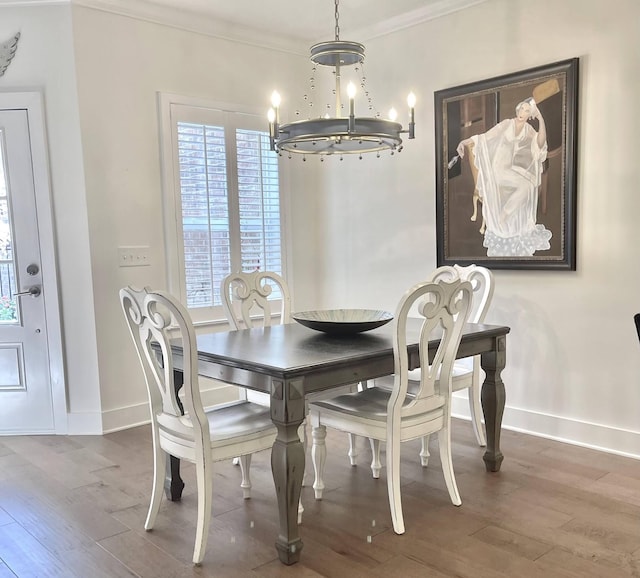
173	108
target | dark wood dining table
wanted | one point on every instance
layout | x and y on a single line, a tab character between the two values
290	361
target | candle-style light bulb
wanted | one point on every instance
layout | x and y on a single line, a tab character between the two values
275	103
411	101
393	114
271	116
351	93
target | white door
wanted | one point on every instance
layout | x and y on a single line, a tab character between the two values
26	396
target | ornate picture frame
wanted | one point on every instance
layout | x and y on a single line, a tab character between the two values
506	163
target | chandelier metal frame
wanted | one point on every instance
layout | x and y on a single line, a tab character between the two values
339	135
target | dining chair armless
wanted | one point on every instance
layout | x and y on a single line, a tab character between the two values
202	437
393	415
466	371
247	299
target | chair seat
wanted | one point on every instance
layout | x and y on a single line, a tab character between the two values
462	370
228	422
371	403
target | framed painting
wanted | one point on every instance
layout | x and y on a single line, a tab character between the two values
506	170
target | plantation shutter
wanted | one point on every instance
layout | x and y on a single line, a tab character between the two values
230	204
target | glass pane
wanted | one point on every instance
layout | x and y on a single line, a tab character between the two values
8	313
259	203
205	211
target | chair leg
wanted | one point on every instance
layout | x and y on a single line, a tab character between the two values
159	465
424	452
319	456
205	489
444	441
376	466
245	467
393	485
353	452
300	511
304	436
475	408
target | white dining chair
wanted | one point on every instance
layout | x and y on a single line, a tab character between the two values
394	416
466	371
202	437
247	304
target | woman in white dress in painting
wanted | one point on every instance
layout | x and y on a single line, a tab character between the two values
509	160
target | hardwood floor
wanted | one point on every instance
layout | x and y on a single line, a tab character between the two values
75	507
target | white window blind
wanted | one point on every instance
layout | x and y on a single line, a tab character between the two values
226	202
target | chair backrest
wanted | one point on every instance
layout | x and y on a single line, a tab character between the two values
154	319
636	318
444	307
242	293
481	280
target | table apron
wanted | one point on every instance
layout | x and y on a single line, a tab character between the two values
317	380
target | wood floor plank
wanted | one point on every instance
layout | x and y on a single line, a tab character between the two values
27	557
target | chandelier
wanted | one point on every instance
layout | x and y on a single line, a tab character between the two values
339	134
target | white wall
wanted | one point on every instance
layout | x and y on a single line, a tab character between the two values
362	231
44	62
573	364
122	63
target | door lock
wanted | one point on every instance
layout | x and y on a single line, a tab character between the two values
33	269
33	291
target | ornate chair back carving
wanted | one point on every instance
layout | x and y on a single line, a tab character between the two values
244	293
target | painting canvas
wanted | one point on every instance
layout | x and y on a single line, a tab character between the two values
506	170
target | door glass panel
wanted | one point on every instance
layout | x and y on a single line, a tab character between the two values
8	313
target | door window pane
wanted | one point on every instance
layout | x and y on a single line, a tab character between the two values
8	313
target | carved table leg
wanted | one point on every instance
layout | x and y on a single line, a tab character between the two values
493	400
287	464
173	484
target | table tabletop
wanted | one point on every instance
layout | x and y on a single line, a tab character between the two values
293	351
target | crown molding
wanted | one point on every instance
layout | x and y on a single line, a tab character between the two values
208	25
425	13
195	22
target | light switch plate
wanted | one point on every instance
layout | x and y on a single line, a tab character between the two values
133	256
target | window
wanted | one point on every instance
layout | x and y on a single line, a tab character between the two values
223	212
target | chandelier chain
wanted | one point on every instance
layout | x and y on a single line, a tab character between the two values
337	19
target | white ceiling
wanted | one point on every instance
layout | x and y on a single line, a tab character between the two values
283	24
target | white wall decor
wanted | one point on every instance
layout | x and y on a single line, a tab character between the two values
7	52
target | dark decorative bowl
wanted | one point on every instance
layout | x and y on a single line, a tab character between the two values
343	321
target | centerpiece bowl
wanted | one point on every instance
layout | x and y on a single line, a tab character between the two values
343	321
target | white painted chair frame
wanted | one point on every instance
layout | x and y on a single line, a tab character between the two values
466	372
196	436
244	292
393	416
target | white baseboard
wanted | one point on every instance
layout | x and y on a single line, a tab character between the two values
589	435
84	424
